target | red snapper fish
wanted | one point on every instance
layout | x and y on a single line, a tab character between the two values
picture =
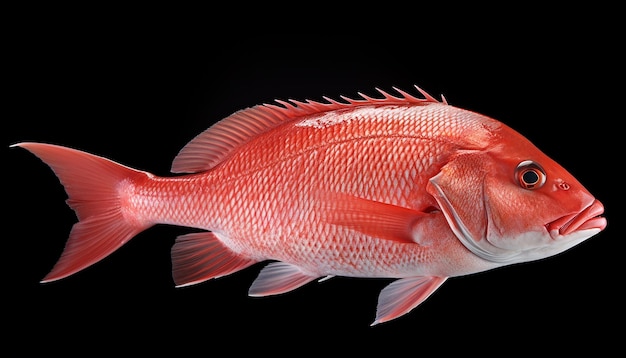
398	187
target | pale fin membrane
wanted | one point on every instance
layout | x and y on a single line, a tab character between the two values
402	295
277	278
198	257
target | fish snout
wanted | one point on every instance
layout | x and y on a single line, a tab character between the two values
588	219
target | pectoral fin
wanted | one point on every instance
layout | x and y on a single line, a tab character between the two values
372	218
403	295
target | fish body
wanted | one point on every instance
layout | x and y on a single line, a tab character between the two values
396	187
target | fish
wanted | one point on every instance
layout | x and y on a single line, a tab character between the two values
399	186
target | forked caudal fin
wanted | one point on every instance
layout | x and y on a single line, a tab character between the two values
92	184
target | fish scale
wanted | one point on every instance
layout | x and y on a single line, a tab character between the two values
398	187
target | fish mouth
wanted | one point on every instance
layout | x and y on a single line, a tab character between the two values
589	218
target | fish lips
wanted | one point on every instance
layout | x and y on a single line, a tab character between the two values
587	219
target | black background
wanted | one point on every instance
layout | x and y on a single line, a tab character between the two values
135	85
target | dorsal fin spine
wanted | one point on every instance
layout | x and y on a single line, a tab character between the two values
426	95
332	101
286	104
349	100
387	95
404	94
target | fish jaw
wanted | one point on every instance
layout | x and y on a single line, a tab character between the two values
564	233
582	225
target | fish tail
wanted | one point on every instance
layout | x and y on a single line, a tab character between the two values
92	184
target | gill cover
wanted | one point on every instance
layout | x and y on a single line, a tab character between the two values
459	189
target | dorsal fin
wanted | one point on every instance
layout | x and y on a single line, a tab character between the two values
213	145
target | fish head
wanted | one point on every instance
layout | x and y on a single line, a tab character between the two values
537	208
511	203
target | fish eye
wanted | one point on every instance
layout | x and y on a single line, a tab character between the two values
530	175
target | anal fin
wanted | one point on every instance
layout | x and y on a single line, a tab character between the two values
198	257
402	295
277	278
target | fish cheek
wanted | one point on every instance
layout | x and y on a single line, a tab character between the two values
515	216
505	209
